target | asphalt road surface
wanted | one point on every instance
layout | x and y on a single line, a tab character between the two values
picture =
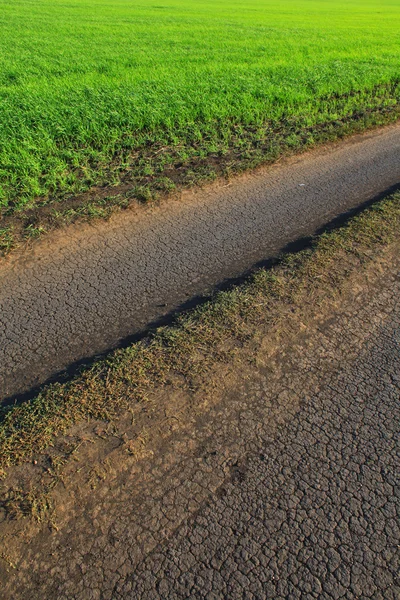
87	290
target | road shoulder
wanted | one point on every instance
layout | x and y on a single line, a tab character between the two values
127	484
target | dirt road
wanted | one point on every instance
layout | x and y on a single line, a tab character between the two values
83	291
286	487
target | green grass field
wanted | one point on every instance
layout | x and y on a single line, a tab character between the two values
88	88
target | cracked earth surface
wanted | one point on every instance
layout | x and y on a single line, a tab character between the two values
83	291
286	488
313	513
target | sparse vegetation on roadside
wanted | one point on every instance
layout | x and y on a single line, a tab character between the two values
202	338
22	227
33	503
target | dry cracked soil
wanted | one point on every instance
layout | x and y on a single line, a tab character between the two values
286	486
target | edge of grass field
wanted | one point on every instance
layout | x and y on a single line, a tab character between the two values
159	169
201	339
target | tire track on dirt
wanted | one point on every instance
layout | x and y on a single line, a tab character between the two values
83	291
